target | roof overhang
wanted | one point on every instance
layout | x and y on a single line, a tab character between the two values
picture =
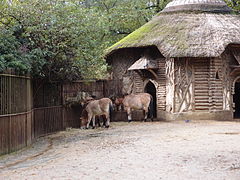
236	53
144	63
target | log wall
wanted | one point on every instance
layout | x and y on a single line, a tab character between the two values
161	86
201	84
138	83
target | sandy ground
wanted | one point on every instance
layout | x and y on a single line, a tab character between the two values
151	150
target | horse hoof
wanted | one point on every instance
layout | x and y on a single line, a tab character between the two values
129	121
107	126
93	127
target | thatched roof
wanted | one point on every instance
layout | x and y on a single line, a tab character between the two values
186	33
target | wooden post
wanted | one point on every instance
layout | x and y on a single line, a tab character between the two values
193	88
9	111
63	108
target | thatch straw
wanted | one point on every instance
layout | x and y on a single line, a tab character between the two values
185	34
197	5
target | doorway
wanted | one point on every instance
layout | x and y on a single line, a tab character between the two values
150	88
236	99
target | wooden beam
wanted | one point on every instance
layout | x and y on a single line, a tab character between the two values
153	73
235	70
235	66
234	45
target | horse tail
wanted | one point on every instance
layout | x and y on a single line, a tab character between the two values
151	108
111	110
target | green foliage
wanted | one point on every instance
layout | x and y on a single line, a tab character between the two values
10	54
124	16
65	40
235	4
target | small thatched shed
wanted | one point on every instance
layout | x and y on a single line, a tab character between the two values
187	57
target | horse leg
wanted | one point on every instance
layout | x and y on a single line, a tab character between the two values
107	123
144	115
98	121
129	114
104	120
89	120
93	121
145	110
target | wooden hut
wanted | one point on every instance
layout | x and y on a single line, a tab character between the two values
187	57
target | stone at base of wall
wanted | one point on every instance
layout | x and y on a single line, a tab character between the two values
216	115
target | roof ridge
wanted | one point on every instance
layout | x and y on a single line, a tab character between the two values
216	6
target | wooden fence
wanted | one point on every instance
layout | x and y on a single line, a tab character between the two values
30	109
15	112
48	109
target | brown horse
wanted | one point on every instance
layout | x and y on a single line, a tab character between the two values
97	108
141	101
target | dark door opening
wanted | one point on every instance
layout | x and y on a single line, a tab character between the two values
236	100
150	88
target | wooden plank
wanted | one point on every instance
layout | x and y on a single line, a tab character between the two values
202	80
201	97
202	109
201	73
4	135
39	122
199	88
17	131
202	101
29	128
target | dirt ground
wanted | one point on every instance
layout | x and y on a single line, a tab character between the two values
137	150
